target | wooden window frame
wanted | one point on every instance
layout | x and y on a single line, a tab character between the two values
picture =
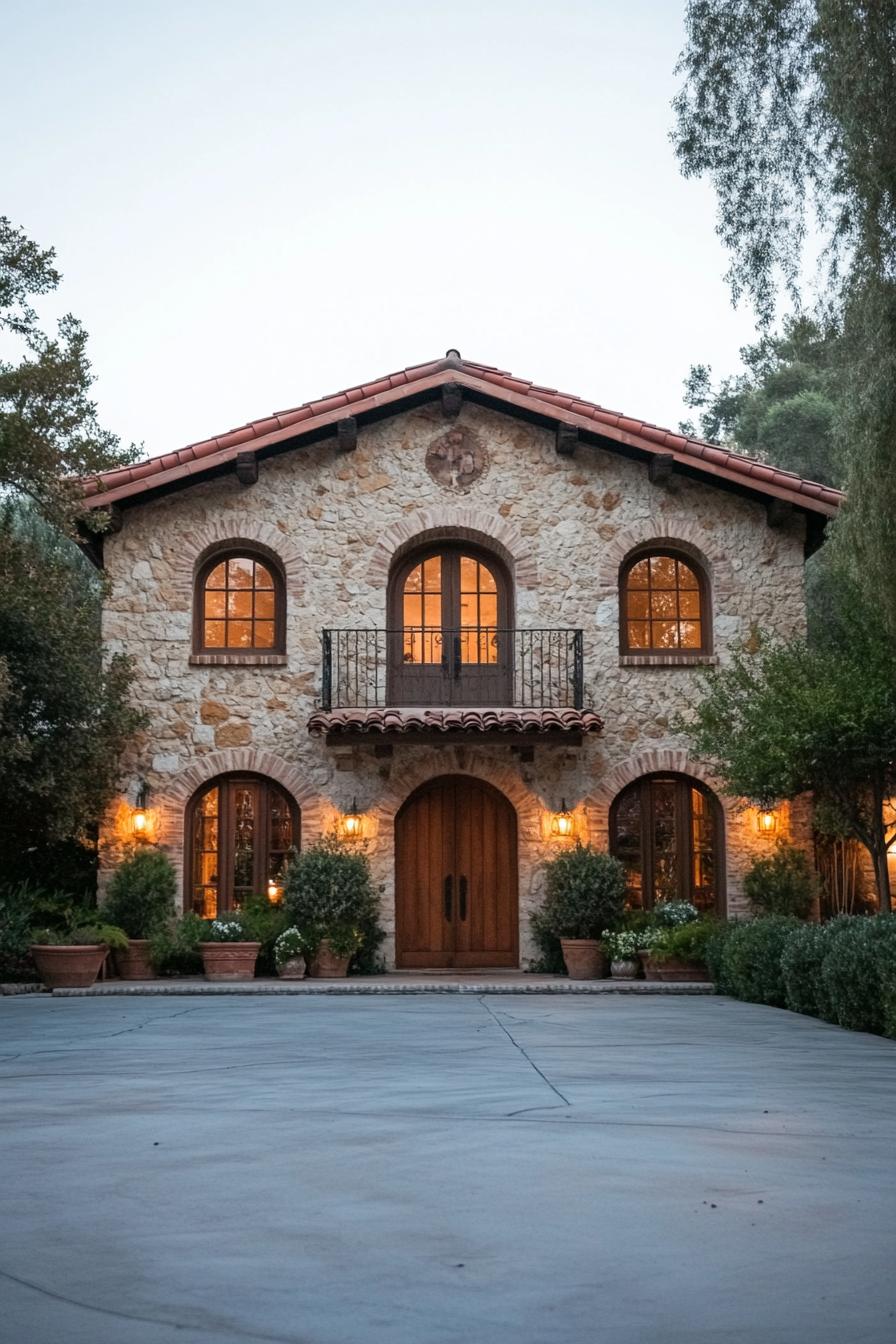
226	784
221	556
683	835
696	567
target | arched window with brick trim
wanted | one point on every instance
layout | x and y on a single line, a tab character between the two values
239	603
664	604
240	832
667	831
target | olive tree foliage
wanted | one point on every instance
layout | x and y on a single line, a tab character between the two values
798	717
787	107
49	432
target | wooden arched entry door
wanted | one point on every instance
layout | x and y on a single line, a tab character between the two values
456	897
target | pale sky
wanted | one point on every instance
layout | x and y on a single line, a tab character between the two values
258	204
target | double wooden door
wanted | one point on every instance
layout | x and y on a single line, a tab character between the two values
456	900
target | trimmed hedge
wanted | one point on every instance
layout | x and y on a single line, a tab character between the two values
843	971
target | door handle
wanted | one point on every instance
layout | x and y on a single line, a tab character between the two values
447	898
462	902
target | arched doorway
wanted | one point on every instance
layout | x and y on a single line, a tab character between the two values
666	830
239	832
456	893
450	612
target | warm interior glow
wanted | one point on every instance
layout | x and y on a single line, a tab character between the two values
351	822
139	822
275	893
766	821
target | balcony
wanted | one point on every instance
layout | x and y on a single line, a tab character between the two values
431	681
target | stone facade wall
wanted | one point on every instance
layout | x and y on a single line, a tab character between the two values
337	522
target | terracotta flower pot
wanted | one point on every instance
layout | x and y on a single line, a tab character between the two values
651	968
69	967
229	961
294	969
584	958
327	964
133	962
624	969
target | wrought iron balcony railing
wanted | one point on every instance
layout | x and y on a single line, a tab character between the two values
432	666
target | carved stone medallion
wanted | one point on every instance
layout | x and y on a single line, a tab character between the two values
456	459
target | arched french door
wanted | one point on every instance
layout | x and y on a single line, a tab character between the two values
667	832
449	619
456	893
240	830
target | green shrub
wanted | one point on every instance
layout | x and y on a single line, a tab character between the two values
17	915
858	970
715	954
79	935
688	942
174	948
264	922
751	960
140	897
801	963
782	884
329	893
584	894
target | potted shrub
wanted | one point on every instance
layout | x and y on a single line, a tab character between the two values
289	954
329	894
226	953
140	900
585	891
334	952
622	949
679	953
71	958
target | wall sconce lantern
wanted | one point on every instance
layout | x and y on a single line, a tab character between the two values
766	821
139	819
351	822
562	821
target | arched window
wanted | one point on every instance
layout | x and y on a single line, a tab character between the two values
666	830
663	604
449	618
240	605
240	830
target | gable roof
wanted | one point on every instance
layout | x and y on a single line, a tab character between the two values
315	419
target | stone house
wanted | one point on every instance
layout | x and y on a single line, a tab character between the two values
453	615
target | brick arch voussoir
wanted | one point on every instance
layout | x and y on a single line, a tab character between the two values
690	537
229	528
474	763
248	760
465	524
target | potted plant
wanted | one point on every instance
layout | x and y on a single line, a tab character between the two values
226	953
289	954
140	900
585	891
680	953
329	894
622	949
334	952
71	958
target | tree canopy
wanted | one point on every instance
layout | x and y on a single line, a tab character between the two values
49	431
787	107
783	407
64	713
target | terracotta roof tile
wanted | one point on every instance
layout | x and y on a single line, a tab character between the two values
125	482
527	721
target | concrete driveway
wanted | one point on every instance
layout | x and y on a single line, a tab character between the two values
436	1169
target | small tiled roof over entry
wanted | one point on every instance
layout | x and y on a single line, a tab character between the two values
526	722
386	395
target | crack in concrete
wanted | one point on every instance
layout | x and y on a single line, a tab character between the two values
526	1057
215	1332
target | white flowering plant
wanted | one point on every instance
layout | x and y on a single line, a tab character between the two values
224	930
621	946
291	944
672	914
